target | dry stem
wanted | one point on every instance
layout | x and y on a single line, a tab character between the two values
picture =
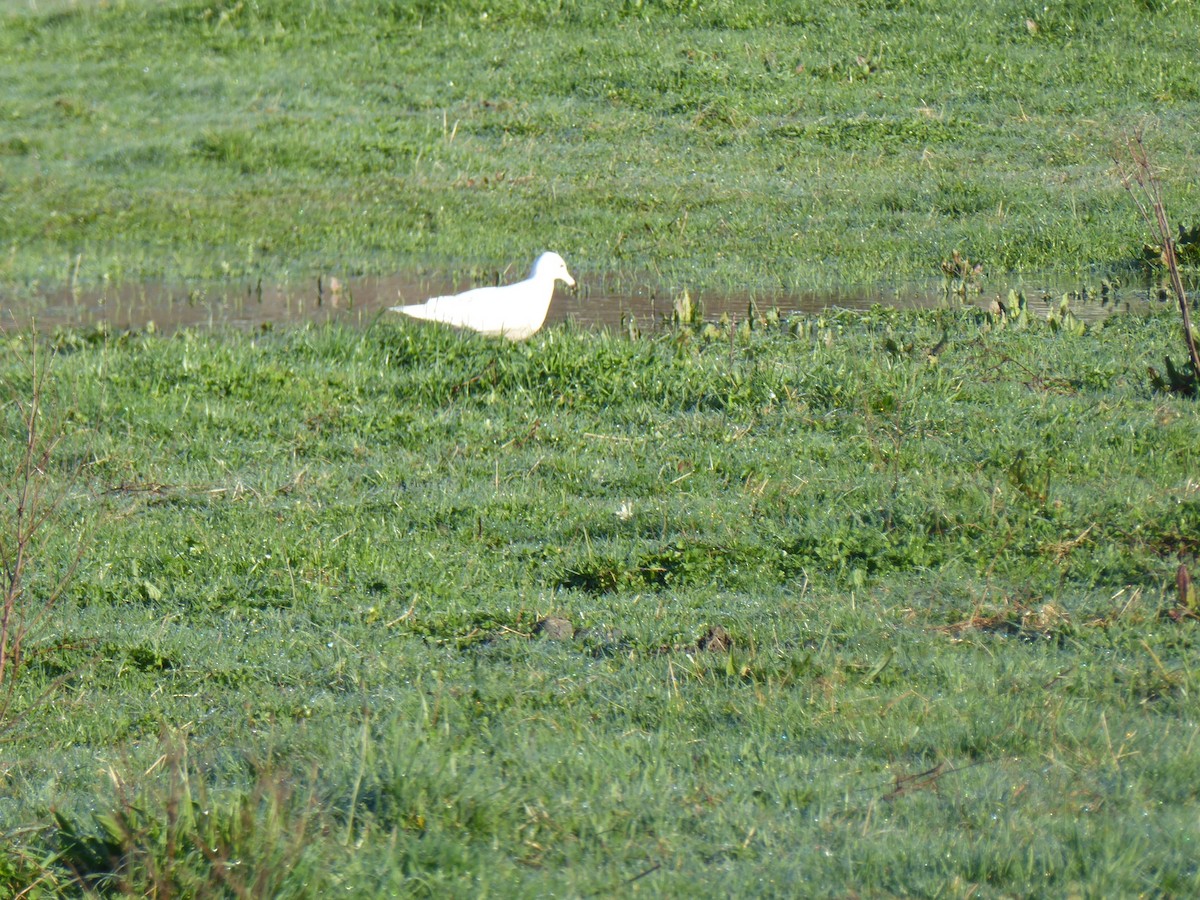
29	503
1148	199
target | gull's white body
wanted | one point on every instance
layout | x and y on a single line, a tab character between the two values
515	311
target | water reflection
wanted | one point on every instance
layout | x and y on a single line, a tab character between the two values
595	303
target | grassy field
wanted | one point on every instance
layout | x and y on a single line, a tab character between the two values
871	604
771	145
796	610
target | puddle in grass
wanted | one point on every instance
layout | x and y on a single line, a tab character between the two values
594	304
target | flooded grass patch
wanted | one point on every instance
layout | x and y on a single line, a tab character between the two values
598	302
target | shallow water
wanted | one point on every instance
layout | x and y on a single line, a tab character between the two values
594	304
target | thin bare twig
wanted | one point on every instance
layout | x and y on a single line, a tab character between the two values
29	502
1148	199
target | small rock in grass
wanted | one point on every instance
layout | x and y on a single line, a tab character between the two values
555	628
716	640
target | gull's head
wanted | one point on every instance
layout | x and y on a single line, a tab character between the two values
551	266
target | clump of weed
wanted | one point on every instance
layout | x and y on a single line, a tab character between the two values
685	311
1187	249
959	277
176	836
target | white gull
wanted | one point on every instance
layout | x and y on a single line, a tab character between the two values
515	311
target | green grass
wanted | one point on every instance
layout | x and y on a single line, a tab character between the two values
296	657
776	145
300	653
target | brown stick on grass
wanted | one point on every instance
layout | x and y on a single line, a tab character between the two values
1148	199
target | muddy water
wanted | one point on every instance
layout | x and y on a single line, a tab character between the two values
359	301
